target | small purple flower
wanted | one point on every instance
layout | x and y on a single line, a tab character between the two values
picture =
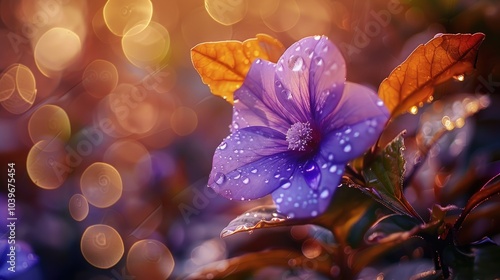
295	125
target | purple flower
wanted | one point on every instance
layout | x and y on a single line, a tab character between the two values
295	125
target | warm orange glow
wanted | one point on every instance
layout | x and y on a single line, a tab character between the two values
101	184
78	207
102	246
48	122
150	259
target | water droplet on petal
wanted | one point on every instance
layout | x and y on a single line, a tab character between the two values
220	178
253	170
258	60
317	37
314	213
330	157
295	63
347	148
312	174
325	48
227	194
279	200
246	181
280	68
309	52
222	146
324	194
332	169
380	103
291	215
318	61
285	184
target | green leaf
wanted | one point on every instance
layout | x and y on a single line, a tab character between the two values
384	178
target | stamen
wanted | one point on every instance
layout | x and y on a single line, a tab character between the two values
298	136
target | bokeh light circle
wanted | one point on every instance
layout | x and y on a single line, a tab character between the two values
184	121
280	15
123	15
46	164
146	46
7	86
101	184
102	246
17	88
226	12
150	259
132	160
48	122
136	109
56	50
78	207
100	78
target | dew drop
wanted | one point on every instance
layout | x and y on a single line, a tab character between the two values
312	174
227	194
309	52
279	200
280	68
285	184
246	181
222	146
297	48
317	37
254	171
220	178
332	169
459	78
324	194
325	48
258	60
291	215
314	213
380	103
318	61
330	157
347	148
295	63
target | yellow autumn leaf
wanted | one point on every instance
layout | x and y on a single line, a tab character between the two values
440	59
224	65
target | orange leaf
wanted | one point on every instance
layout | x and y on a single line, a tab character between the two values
224	65
413	81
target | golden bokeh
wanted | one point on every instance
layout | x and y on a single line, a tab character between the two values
56	50
184	121
136	110
198	27
48	122
46	164
100	78
78	207
226	12
133	162
150	259
280	15
18	88
146	46
121	16
101	184
102	246
7	86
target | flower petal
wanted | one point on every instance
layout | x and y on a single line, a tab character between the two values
250	163
297	198
311	76
256	103
355	125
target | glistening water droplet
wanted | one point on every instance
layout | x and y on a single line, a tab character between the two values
295	63
312	174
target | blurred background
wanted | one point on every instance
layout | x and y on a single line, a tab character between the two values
112	131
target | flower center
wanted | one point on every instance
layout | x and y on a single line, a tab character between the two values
299	136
